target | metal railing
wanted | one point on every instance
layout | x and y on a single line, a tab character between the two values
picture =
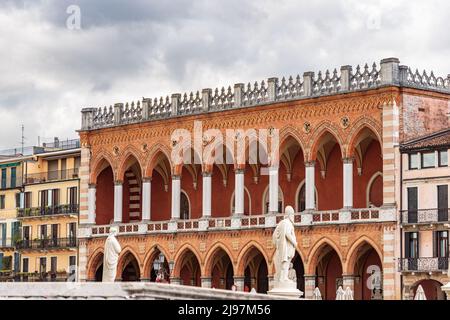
51	176
423	264
425	216
49	243
33	276
63	144
7	243
48	211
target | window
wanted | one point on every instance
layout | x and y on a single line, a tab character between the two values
28	200
443	158
2	234
428	160
25	263
43	198
4	178
2	201
442	200
412	244
13	177
72	196
55	197
413	161
72	267
17	200
53	267
42	265
441	249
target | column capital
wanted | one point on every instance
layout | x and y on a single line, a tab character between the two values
147	179
92	185
348	159
176	177
118	182
206	174
311	163
239	171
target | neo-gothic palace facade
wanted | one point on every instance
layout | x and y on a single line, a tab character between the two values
212	225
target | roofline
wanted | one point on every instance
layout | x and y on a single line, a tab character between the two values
405	145
58	152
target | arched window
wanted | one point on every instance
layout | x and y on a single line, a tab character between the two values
185	211
301	197
266	200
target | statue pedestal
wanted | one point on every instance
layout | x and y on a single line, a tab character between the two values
286	289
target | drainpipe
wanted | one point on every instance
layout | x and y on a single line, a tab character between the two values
401	221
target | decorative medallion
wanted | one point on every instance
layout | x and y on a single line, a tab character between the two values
307	127
144	147
116	151
345	122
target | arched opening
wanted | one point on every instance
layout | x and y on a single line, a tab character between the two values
328	172
297	264
190	271
99	273
328	272
95	271
301	197
104	200
161	188
431	288
222	185
368	274
185	206
130	268
247	203
266	200
255	271
159	268
222	274
367	167
131	190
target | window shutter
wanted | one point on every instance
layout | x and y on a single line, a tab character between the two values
1	260
16	262
3	233
435	243
407	245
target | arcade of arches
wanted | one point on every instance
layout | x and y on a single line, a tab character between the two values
147	192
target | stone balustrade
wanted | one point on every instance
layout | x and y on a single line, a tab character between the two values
352	216
389	72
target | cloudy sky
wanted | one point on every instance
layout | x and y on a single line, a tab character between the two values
126	50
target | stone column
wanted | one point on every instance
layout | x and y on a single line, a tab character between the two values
273	190
239	192
91	203
206	196
310	186
176	193
310	285
118	195
239	283
206	282
348	183
146	199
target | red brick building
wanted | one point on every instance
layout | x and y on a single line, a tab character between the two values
212	224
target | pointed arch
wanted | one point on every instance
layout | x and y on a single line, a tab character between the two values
243	257
127	253
94	263
155	154
128	157
150	257
319	133
313	256
292	132
102	161
353	254
181	255
210	256
369	186
357	128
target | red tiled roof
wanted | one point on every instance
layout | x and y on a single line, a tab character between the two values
430	141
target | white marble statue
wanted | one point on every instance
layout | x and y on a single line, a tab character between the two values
111	256
285	244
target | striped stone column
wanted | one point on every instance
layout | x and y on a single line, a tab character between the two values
390	277
390	143
83	173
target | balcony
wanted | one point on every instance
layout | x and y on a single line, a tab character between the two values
63	144
9	183
47	244
423	264
304	219
425	216
49	176
6	244
62	209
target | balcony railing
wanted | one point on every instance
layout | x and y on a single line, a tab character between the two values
425	216
50	243
48	211
7	243
353	216
51	176
423	264
9	183
63	144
